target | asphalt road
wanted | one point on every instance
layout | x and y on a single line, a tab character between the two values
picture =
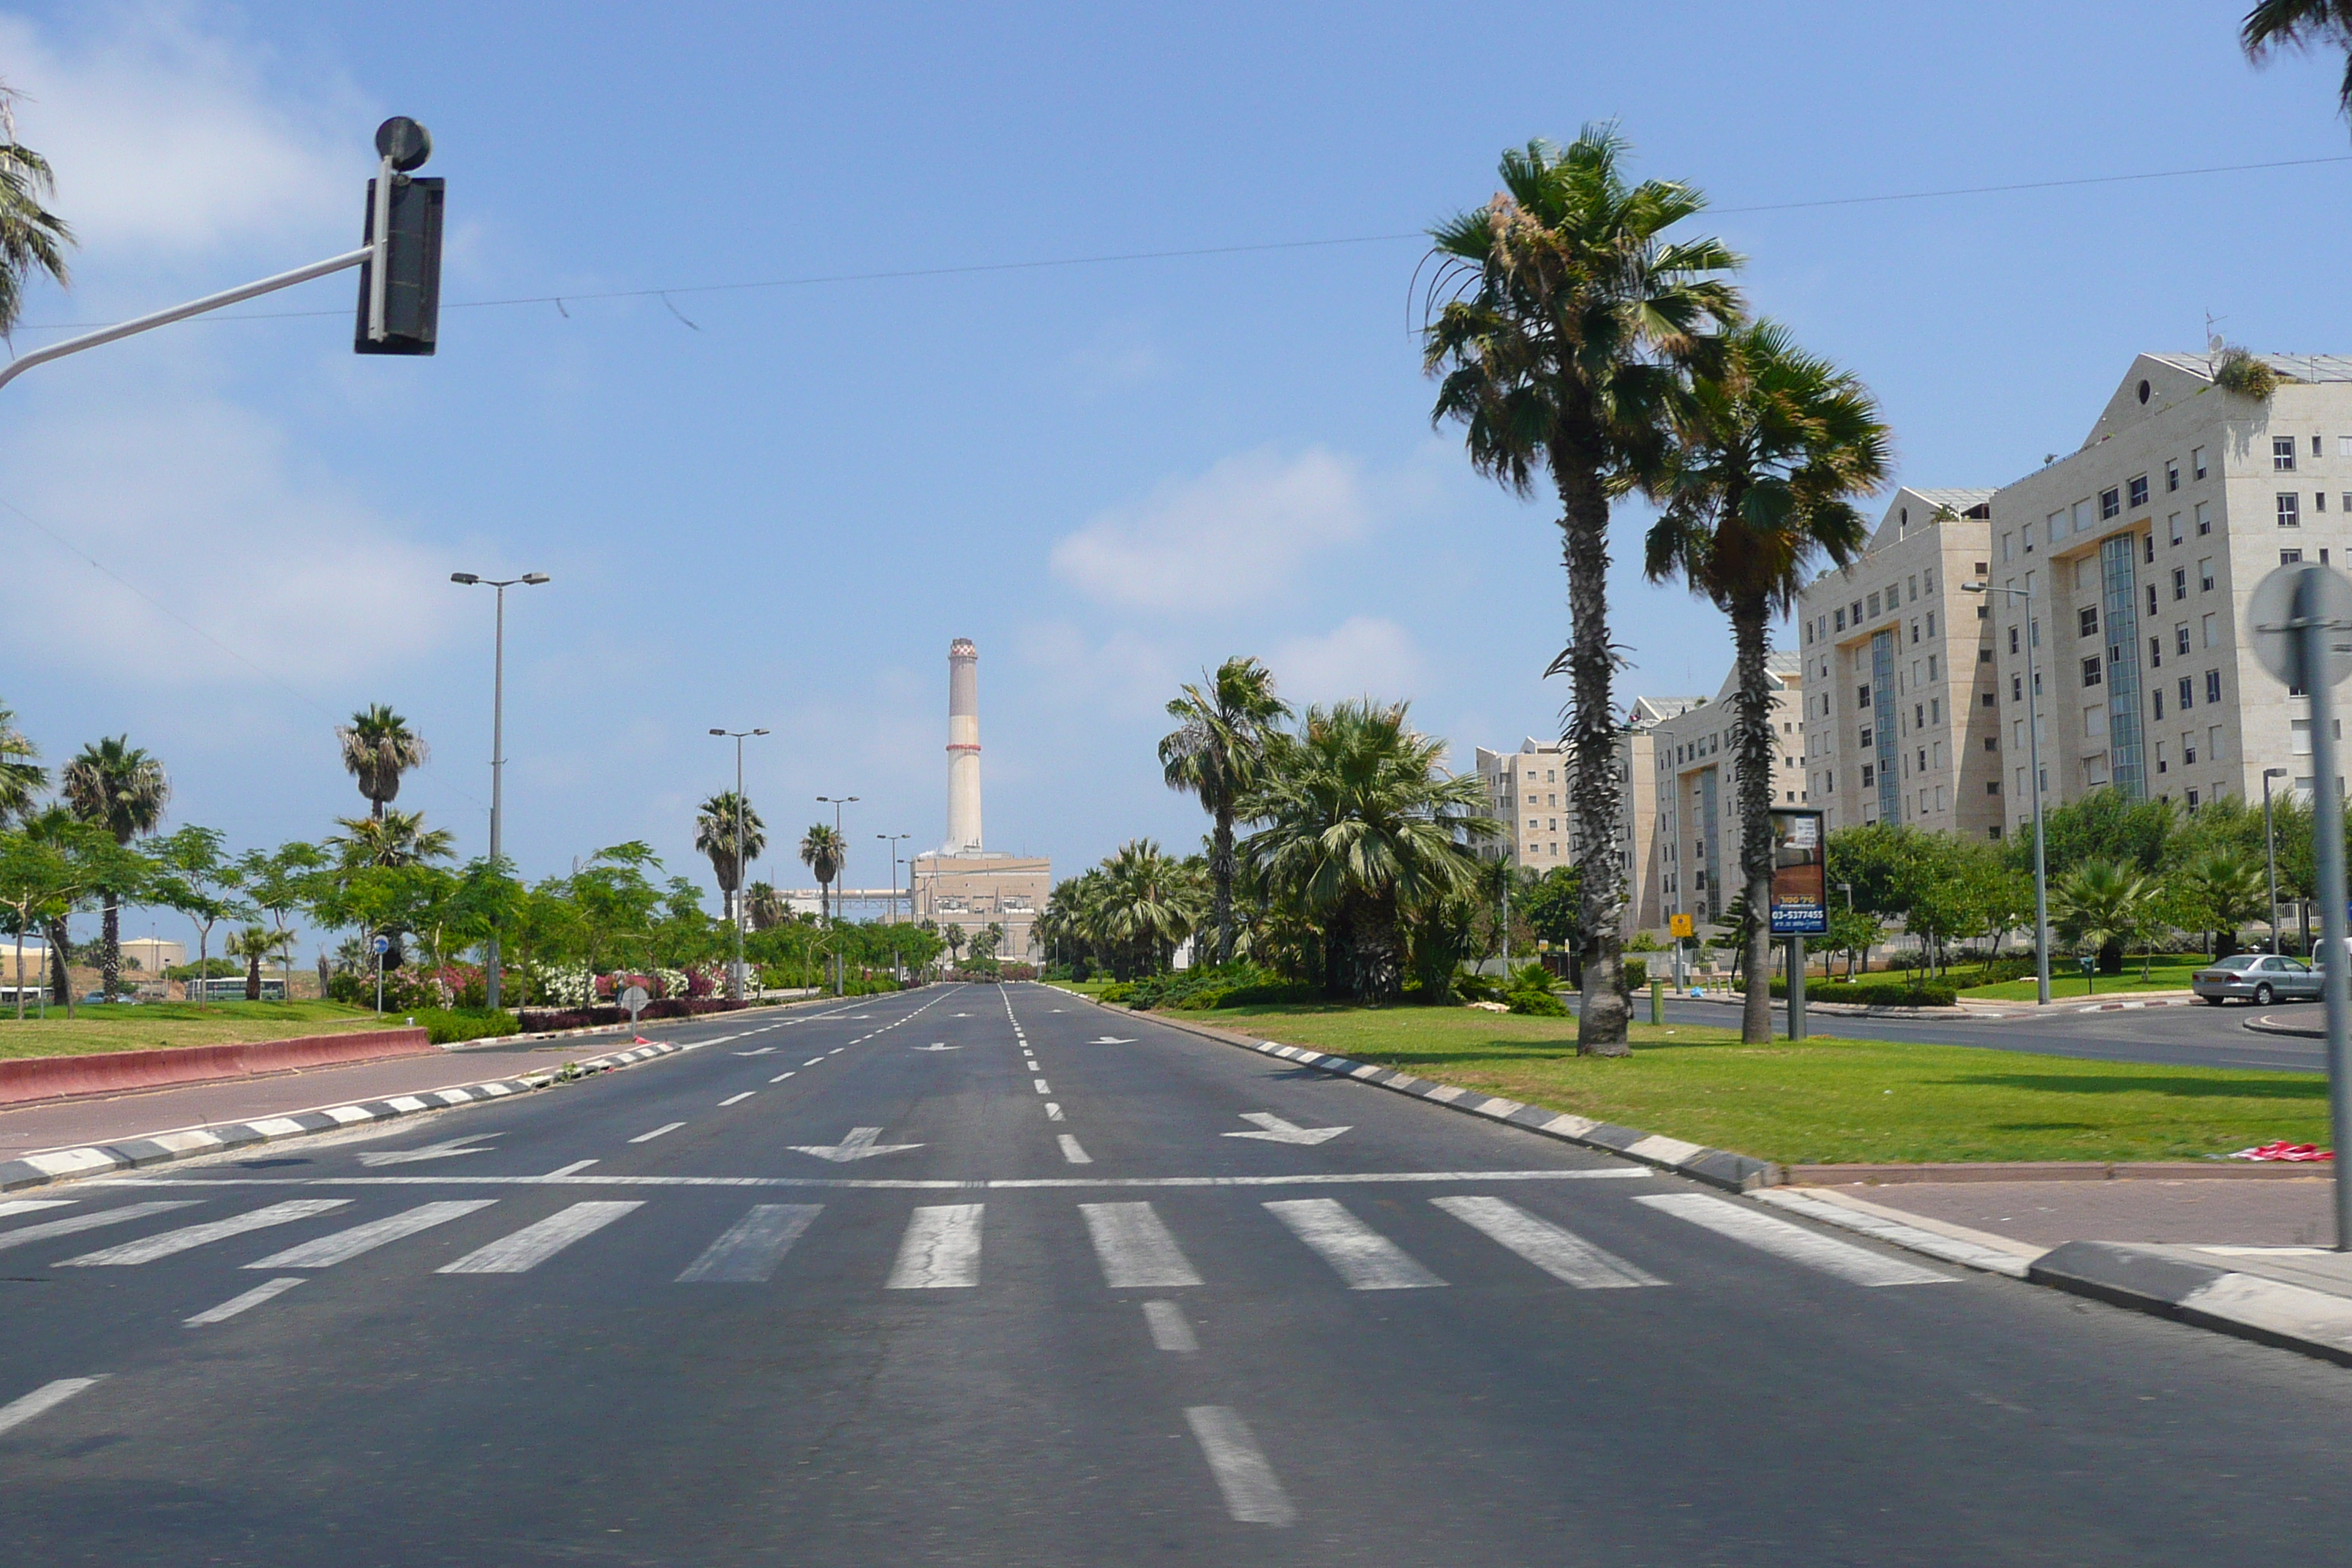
990	1277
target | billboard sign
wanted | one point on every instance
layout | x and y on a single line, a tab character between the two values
1799	875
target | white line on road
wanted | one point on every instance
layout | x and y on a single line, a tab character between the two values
47	1397
1793	1242
1052	1111
739	1098
781	1076
901	1183
229	1309
147	1249
1362	1255
1252	1495
574	1169
1562	1254
345	1245
1073	1153
753	1247
941	1250
535	1244
1043	1087
1169	1331
811	1061
665	1127
1135	1247
32	1205
73	1223
762	1051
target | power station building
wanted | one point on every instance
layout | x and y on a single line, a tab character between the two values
961	883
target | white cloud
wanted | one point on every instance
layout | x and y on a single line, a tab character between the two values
1234	534
1364	655
167	138
203	509
1124	674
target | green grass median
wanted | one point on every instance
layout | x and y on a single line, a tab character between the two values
2066	982
151	1025
1823	1101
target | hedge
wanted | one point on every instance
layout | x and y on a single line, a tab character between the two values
449	1026
537	1019
1886	993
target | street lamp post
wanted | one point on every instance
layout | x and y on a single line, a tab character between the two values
498	745
840	875
742	863
2269	849
2033	763
892	839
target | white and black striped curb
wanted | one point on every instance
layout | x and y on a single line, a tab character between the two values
133	1153
2159	1279
1717	1167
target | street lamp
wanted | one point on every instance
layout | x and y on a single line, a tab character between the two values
892	839
2032	761
2269	849
498	745
837	802
742	863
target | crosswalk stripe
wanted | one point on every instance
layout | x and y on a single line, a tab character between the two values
32	1205
1793	1242
147	1249
47	1397
753	1247
1073	1152
80	1222
1362	1255
268	1290
345	1245
1253	1493
535	1244
1134	1248
1562	1254
1169	1331
941	1249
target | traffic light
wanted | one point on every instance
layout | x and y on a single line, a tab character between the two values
404	316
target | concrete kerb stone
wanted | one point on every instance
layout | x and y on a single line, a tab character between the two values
136	1154
2156	1279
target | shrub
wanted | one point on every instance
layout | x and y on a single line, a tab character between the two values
448	1025
1877	992
1118	994
1530	992
1637	974
1472	987
2241	373
535	1020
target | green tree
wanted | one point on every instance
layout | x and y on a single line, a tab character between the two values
1552	903
2104	825
378	746
395	839
2229	889
22	778
822	852
116	785
2101	904
715	829
1562	320
195	879
32	238
1771	446
1216	751
44	871
253	944
1148	903
2301	24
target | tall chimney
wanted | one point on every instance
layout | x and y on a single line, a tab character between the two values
963	748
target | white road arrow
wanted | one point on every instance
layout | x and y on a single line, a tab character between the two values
935	1046
858	1145
1106	1040
1278	1130
445	1151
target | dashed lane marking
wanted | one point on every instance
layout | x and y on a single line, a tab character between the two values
665	1127
1252	1494
1073	1153
268	1290
739	1098
1169	1331
42	1400
781	1076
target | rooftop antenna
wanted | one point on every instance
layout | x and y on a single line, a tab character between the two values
2213	344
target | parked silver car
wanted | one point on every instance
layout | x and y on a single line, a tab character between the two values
2258	977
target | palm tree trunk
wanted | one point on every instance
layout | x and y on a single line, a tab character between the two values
60	964
110	945
1604	1013
1220	882
1752	729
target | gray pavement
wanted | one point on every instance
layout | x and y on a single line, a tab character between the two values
976	1276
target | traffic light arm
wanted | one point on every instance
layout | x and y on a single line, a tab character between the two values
24	363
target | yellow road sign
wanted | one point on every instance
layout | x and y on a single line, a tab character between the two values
1680	925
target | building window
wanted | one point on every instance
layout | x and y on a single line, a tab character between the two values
2110	503
1931	623
2204	515
2087	620
2210	624
2090	671
2017	689
2028	531
2161	765
2181	581
2008	543
2156	653
1841	620
1874	604
2187	694
1869	775
2196	461
2289	557
1862	696
1865	737
2283	454
1989	701
2139	487
2289	514
2205	576
2172	527
2319	501
2158	695
2171	476
2181	639
1984	656
2212	685
2012	639
2192	797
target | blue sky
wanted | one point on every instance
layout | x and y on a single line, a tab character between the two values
1108	475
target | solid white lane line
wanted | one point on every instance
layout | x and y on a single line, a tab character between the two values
1074	1154
1362	1255
149	1248
535	1244
665	1127
1134	1248
739	1098
1252	1495
762	1051
47	1397
1562	1254
73	1223
1052	1111
33	1205
941	1250
1794	1242
1169	1331
753	1247
1043	1087
781	1076
573	1169
345	1245
236	1304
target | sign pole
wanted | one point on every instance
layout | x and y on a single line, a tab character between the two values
2310	622
1796	988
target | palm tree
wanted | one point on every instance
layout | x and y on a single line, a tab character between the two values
822	852
378	747
252	945
2101	902
32	238
21	777
1144	905
1361	823
954	937
764	905
1567	317
715	827
1216	753
396	838
2231	888
118	786
2301	24
1770	449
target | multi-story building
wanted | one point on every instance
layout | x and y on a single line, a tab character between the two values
1900	718
1695	791
2133	557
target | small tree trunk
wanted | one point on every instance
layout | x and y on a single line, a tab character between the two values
1604	1013
60	965
253	975
1220	882
110	945
1753	741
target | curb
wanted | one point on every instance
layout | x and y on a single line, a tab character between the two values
2157	1280
136	1154
1717	1167
2262	1025
2054	1171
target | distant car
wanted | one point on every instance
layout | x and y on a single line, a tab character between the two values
2257	977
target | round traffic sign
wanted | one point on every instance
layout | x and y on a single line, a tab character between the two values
404	142
633	999
380	946
2284	603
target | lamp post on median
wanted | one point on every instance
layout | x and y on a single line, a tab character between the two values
742	863
2269	849
498	745
892	839
840	874
2033	763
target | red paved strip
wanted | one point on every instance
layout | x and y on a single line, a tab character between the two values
28	1078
